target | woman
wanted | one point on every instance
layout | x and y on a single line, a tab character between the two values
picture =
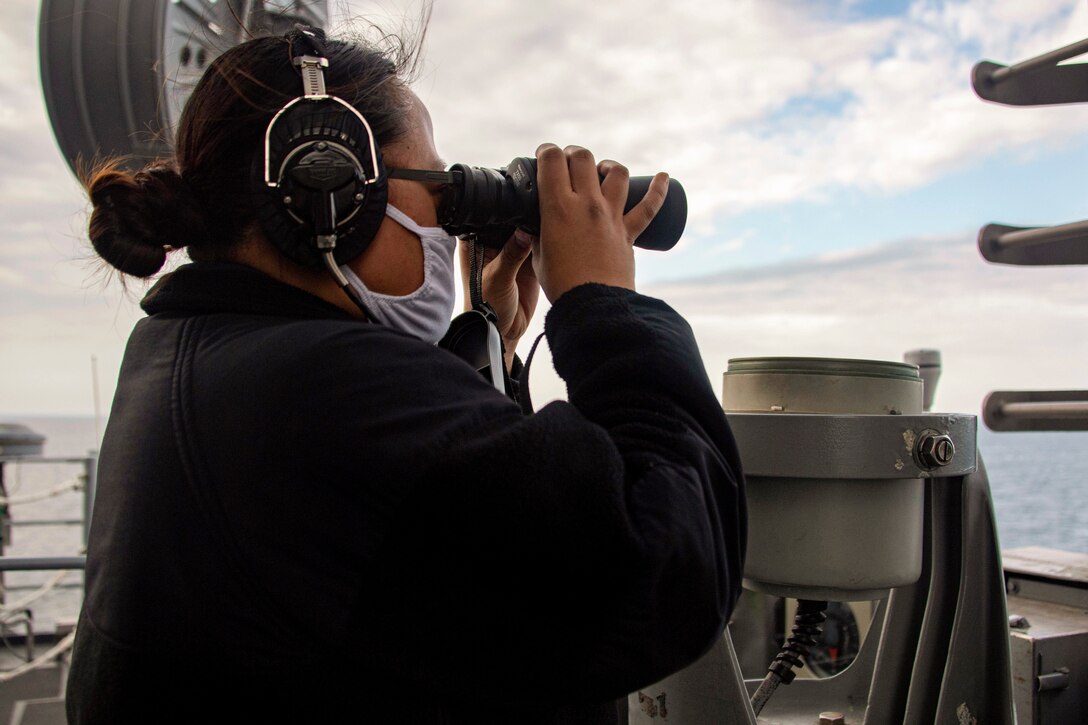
304	514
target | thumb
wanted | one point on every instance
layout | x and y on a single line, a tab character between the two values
503	270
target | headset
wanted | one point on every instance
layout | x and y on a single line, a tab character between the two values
323	182
325	189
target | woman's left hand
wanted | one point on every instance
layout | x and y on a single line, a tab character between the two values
509	286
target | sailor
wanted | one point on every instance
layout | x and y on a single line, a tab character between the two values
307	511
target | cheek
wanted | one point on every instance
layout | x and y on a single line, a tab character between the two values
393	263
415	200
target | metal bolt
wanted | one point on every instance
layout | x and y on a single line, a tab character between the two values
832	718
1018	621
359	197
321	146
287	200
934	450
1056	680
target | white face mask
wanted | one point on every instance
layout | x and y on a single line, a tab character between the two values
426	312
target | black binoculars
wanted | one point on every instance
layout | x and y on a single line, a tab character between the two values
491	203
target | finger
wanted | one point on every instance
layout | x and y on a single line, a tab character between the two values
583	170
553	178
614	182
527	272
642	213
528	286
503	271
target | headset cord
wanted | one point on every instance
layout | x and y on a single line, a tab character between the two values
334	269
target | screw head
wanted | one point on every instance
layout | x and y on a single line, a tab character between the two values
359	197
934	450
287	200
321	146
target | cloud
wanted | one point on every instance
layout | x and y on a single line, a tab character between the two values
997	327
751	103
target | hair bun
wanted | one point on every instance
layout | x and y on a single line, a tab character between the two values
140	216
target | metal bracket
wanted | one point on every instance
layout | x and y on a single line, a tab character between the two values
1037	81
1062	244
1039	410
808	445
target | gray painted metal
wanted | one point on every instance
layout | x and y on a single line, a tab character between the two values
1029	246
973	659
709	691
1062	567
41	563
821	385
18	440
1040	62
833	539
1034	82
835	482
115	73
1038	410
929	368
871	447
938	651
1048	590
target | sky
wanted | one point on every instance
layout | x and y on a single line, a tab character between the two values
836	162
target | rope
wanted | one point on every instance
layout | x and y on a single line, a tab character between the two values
17	484
75	484
42	659
8	610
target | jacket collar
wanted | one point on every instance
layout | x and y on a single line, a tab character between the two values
213	287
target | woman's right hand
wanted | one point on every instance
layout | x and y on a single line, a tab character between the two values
584	234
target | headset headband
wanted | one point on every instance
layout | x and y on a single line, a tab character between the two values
323	181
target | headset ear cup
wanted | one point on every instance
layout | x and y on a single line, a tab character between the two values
284	211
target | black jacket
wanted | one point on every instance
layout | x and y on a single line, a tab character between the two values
323	520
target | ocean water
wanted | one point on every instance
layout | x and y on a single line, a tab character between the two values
1039	483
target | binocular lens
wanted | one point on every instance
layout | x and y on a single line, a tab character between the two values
491	203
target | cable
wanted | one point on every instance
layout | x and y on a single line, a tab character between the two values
810	615
334	270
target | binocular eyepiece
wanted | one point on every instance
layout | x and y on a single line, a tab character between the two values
492	203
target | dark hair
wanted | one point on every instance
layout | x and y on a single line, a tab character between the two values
203	198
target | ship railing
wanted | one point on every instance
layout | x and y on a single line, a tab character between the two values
15	614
